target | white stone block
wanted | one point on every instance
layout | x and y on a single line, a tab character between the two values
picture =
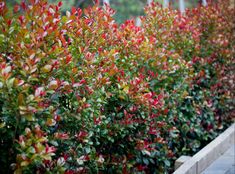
181	160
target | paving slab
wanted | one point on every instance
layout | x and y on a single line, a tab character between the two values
218	157
225	164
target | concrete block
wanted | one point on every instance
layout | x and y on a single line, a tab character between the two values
200	161
181	160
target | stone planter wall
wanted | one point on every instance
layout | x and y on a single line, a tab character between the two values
201	160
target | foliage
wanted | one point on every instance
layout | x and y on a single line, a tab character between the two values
124	9
80	94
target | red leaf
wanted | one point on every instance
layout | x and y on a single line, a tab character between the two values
60	4
23	5
79	12
50	149
73	10
68	59
97	2
9	22
64	43
16	8
21	18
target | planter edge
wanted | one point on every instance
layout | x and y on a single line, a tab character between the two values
201	160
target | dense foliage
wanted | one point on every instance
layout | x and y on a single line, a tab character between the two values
124	9
80	94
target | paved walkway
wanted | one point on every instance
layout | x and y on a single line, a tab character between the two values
225	164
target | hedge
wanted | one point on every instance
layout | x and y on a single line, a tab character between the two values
81	94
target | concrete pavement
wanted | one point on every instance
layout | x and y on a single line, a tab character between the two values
225	164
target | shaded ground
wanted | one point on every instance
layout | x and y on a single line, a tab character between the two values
225	164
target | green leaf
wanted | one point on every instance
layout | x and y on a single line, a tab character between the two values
10	83
24	163
54	143
2	125
167	163
87	149
146	161
29	117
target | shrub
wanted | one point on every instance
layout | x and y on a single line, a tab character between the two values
80	94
